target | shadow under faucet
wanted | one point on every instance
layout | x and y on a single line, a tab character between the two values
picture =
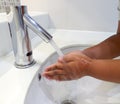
19	21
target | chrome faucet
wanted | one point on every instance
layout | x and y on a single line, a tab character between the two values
19	21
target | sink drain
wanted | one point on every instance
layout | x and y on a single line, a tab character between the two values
68	102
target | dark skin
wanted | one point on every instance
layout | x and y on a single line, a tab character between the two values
107	49
96	61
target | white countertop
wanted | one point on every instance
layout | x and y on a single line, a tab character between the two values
15	82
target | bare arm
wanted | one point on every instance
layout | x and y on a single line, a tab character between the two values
110	48
108	70
76	64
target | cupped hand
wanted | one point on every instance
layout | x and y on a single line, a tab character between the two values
71	66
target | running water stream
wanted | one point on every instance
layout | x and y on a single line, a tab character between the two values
64	85
54	45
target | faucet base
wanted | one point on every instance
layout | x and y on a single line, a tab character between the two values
25	66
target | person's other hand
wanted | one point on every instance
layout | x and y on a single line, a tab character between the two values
71	66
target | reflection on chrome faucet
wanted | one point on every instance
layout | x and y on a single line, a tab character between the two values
19	21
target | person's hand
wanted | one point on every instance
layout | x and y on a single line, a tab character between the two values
71	66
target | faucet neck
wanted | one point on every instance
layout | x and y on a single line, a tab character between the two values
19	20
20	38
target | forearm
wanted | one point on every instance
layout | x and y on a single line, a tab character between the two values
108	70
107	49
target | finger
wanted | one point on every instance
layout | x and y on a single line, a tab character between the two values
53	73
51	67
54	67
58	77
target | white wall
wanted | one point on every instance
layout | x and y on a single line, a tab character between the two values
98	15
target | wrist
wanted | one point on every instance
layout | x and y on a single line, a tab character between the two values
85	66
89	67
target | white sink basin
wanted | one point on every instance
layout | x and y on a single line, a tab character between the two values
86	90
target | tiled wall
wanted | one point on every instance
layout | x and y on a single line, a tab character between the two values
98	15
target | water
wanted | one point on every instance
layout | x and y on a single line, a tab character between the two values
64	86
56	48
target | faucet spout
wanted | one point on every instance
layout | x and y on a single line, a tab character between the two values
19	20
33	25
